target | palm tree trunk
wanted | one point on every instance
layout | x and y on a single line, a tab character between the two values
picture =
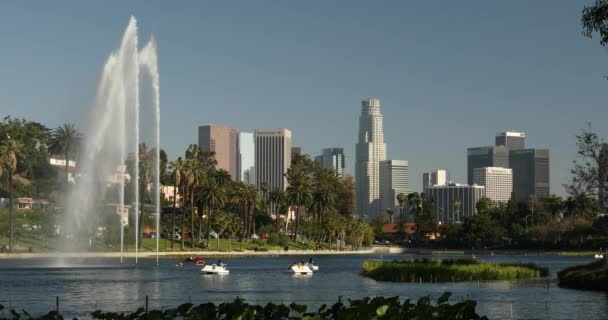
218	241
172	233
209	228
245	225
276	216
182	229
67	166
295	234
200	227
11	222
141	213
192	243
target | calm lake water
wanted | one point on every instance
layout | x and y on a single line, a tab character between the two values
87	285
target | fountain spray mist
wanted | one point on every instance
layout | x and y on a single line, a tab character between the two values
114	128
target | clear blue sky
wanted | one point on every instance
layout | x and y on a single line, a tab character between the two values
450	74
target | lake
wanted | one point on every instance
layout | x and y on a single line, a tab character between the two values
86	285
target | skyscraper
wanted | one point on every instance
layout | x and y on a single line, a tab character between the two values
295	151
511	140
454	202
370	150
486	157
332	158
394	179
222	140
498	182
530	173
435	178
272	157
246	157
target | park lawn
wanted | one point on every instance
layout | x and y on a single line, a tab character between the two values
449	270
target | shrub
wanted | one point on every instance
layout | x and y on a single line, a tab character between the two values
278	239
593	276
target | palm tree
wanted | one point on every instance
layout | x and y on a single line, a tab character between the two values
247	197
64	140
390	212
233	227
402	199
214	197
193	176
457	205
146	164
177	166
277	198
298	193
221	222
9	150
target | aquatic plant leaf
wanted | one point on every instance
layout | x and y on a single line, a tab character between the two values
382	310
444	298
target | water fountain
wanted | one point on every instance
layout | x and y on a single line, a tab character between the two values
114	133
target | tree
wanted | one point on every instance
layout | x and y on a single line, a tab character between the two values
426	222
233	227
346	197
402	199
277	198
390	212
481	230
457	205
193	177
595	19
10	150
590	170
177	166
213	196
299	193
483	206
247	197
221	222
64	140
146	165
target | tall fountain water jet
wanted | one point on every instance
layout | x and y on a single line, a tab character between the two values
113	130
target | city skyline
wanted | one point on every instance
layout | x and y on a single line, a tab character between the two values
284	83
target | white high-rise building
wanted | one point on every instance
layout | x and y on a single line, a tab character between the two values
371	149
498	182
394	179
435	178
246	158
272	157
454	202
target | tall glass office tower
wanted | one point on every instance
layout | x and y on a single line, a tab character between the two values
371	149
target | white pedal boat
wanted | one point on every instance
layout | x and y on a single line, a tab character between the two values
599	256
313	267
300	269
214	269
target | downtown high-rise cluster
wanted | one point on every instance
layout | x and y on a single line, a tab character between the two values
507	170
378	180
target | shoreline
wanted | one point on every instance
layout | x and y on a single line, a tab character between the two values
167	254
252	253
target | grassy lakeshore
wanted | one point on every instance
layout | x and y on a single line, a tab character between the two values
592	276
449	270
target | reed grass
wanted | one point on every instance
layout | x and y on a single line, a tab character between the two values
426	270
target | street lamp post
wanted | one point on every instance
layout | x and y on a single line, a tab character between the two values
526	219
